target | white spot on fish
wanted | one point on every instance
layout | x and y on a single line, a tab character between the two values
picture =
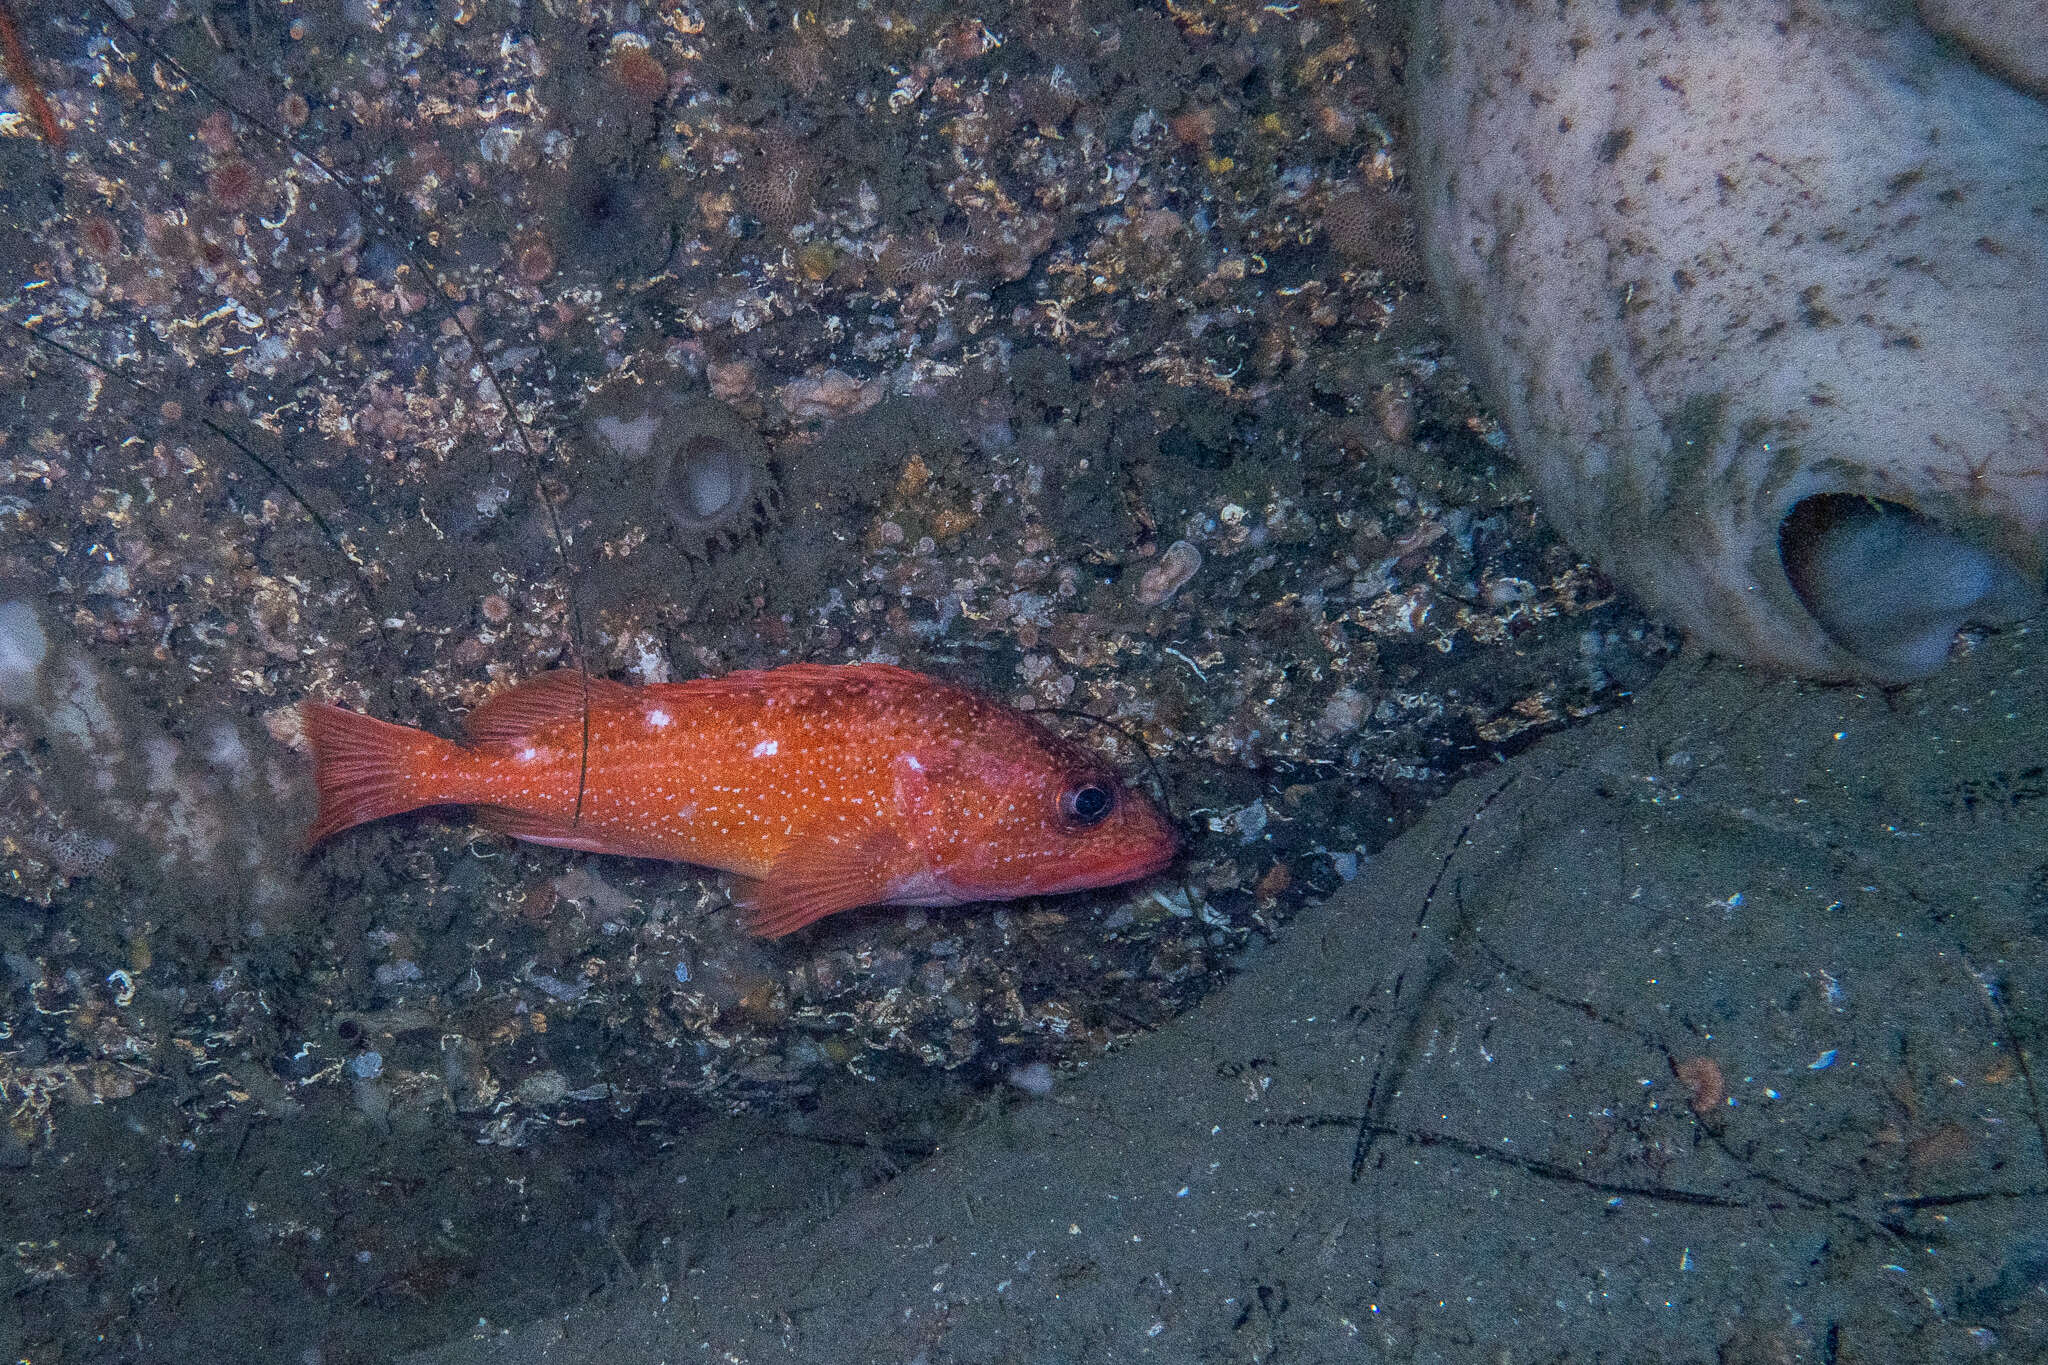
658	718
528	754
766	749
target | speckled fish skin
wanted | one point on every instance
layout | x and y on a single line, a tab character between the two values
825	787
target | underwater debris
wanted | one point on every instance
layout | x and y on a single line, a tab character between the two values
1158	584
832	394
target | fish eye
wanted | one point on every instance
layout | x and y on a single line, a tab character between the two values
1088	804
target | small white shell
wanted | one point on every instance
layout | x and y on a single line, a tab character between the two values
1157	585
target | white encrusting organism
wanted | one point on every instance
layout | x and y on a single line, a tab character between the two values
22	648
203	820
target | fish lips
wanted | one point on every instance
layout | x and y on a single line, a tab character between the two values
1154	854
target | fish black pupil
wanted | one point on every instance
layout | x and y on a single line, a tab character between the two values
1088	805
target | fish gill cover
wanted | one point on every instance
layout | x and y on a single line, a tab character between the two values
387	355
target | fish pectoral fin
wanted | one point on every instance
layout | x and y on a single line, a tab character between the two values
821	877
539	702
540	829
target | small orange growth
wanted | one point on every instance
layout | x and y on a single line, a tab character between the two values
100	238
1193	128
1336	123
765	1004
536	903
533	261
639	75
1276	881
1945	1146
294	110
233	185
1705	1089
951	522
22	73
916	474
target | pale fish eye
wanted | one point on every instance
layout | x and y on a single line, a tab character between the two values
1087	804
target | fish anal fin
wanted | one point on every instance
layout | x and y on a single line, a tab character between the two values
537	703
542	829
821	877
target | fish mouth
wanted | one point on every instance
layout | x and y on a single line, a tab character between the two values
1162	858
1094	876
1115	873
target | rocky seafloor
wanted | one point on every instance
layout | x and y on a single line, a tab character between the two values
388	354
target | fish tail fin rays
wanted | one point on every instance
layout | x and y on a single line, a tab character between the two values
362	768
819	879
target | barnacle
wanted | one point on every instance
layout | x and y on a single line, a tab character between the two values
670	472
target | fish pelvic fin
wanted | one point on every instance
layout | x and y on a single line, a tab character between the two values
822	877
364	769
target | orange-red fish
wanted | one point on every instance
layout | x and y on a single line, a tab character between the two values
824	787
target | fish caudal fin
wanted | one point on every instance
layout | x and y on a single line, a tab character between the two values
363	768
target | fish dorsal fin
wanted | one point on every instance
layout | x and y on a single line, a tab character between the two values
885	676
820	877
523	709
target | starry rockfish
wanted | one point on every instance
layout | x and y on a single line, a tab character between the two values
823	787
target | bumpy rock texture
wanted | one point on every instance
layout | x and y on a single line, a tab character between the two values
1715	262
1076	351
1640	1048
